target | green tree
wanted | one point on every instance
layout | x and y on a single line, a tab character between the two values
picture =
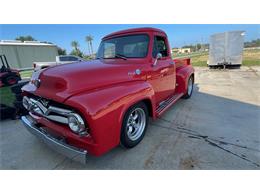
76	51
253	43
25	38
61	51
89	40
198	46
75	45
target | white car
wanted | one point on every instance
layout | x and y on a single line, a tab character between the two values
64	59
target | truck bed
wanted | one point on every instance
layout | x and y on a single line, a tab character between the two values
182	62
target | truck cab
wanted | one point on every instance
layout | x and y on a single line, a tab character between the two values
91	107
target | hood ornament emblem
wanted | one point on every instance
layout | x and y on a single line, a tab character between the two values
136	72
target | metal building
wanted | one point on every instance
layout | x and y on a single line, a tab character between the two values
226	48
21	55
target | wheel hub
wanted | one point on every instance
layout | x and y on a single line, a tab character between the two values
136	124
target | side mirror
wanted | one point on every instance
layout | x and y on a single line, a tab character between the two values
158	57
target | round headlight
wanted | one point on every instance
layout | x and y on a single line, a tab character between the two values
76	123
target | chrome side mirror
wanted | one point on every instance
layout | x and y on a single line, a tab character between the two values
158	57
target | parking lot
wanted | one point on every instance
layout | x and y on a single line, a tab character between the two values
218	128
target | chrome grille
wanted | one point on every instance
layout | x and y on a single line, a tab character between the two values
42	108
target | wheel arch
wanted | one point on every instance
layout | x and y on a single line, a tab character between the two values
148	103
108	106
182	76
149	106
193	76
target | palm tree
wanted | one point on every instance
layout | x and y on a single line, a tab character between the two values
89	40
88	45
75	45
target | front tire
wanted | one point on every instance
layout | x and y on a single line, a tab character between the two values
189	88
134	125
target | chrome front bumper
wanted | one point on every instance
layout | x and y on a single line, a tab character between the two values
58	145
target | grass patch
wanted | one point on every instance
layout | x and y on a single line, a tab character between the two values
26	74
190	55
6	96
250	58
251	62
199	63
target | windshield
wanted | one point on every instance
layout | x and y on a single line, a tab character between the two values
131	46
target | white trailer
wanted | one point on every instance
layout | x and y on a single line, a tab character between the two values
226	49
21	55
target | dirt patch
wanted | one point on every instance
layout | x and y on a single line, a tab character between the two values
188	163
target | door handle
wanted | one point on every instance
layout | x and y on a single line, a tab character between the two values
164	72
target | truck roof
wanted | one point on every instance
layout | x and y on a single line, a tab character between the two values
134	30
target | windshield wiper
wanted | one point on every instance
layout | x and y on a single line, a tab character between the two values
120	56
116	56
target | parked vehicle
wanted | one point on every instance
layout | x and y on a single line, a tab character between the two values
18	103
8	76
226	49
63	59
92	107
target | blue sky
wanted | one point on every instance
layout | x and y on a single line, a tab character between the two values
179	34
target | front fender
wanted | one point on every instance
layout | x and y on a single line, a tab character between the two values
104	108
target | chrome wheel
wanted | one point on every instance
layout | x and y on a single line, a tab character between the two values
136	123
190	86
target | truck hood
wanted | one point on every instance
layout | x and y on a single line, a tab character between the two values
62	81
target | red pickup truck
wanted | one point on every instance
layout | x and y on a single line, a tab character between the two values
92	107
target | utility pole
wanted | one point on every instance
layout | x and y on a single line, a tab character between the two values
202	46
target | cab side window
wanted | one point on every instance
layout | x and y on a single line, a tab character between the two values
160	46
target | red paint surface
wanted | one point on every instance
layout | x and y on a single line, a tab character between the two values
102	91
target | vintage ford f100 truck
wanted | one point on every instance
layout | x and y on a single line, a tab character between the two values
91	107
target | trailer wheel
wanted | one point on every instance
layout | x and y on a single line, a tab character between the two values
189	88
134	125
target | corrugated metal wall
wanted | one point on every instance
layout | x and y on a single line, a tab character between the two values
23	56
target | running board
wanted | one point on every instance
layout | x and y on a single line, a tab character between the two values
167	103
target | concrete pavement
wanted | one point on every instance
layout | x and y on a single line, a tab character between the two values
217	128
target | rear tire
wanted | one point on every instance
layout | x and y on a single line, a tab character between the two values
11	80
189	88
134	125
